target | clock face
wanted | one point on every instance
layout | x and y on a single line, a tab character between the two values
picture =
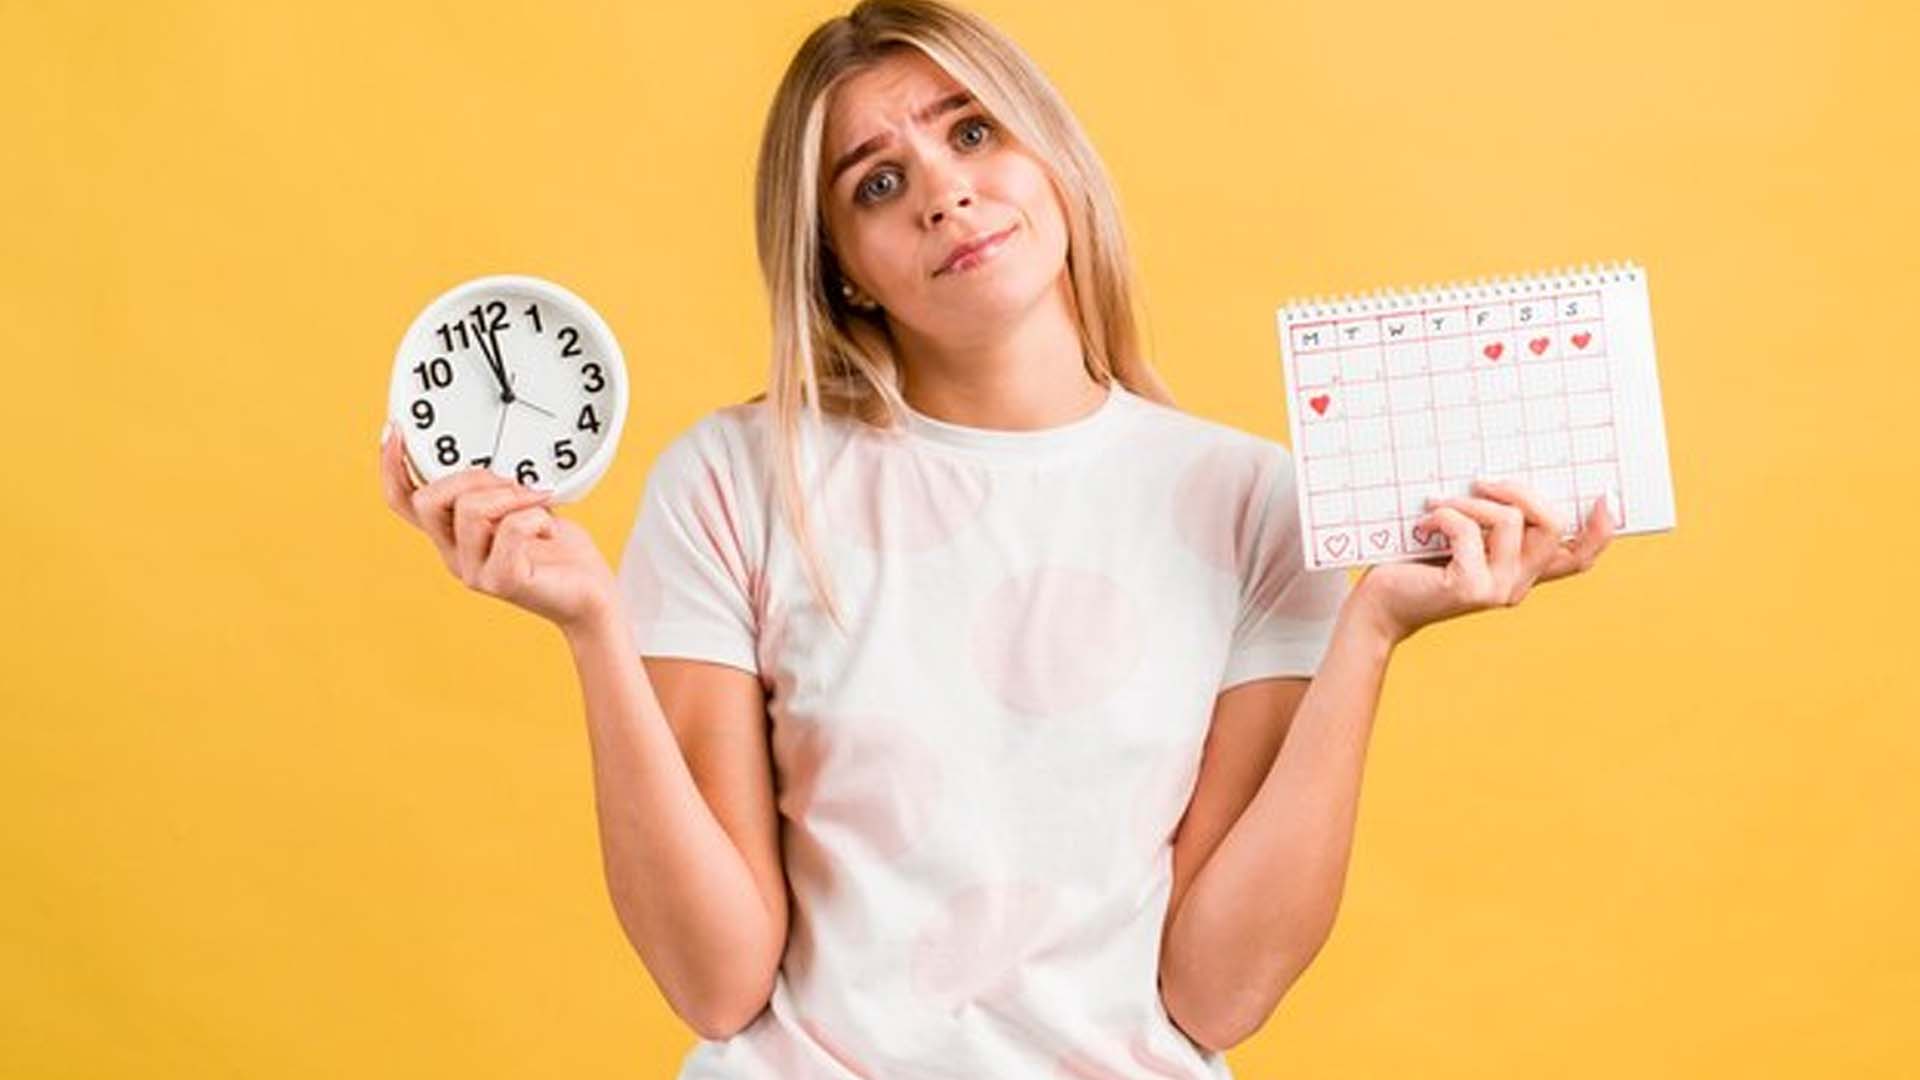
512	374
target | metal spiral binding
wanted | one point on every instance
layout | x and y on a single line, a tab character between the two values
1395	298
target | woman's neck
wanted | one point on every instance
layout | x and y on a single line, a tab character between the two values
1031	374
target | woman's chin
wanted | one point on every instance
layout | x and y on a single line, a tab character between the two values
1007	289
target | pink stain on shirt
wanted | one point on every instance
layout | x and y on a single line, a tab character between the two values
1055	638
769	646
858	775
1215	500
974	946
722	531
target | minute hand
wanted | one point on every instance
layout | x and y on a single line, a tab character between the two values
490	348
500	368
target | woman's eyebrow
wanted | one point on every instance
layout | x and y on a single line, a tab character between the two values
925	116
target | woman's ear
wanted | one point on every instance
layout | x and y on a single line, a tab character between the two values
838	282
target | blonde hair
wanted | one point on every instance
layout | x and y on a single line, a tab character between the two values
829	356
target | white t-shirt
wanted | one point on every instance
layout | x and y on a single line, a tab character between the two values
979	785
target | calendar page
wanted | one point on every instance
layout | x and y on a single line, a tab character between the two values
1547	379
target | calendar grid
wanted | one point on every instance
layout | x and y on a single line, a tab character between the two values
1384	389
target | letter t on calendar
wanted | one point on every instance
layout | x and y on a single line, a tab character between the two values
1546	379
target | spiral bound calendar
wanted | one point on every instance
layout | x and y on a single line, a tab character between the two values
1546	378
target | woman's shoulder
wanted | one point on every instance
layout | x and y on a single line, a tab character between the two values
738	438
1162	424
722	429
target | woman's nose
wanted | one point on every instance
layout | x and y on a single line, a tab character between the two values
941	207
950	191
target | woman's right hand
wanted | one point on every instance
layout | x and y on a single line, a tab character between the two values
503	539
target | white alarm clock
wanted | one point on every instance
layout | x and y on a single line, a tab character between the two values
513	374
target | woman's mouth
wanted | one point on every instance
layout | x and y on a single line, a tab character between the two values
968	258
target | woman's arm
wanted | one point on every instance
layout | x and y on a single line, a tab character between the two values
1263	902
688	832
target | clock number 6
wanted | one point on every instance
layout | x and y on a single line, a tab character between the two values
563	455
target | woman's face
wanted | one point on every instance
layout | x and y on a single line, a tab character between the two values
901	191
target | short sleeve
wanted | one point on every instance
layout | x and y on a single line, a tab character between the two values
685	576
1286	612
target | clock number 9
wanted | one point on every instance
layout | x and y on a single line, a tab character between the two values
423	412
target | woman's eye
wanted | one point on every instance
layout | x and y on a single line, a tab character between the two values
871	189
972	123
866	193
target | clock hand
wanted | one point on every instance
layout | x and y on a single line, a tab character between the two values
494	454
486	351
493	361
515	377
500	362
522	400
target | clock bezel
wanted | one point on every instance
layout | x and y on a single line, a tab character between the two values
577	482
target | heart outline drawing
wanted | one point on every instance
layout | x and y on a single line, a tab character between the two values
1336	544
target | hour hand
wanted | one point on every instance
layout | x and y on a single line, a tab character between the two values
500	367
490	348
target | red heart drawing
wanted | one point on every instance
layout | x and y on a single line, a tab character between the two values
1379	538
1337	543
1320	403
1492	351
1580	340
1538	345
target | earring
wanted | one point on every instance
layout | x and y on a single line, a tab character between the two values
846	290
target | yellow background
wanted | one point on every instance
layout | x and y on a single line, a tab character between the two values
284	799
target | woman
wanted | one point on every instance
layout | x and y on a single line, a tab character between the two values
988	724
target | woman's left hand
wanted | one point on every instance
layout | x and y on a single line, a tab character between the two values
1521	545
